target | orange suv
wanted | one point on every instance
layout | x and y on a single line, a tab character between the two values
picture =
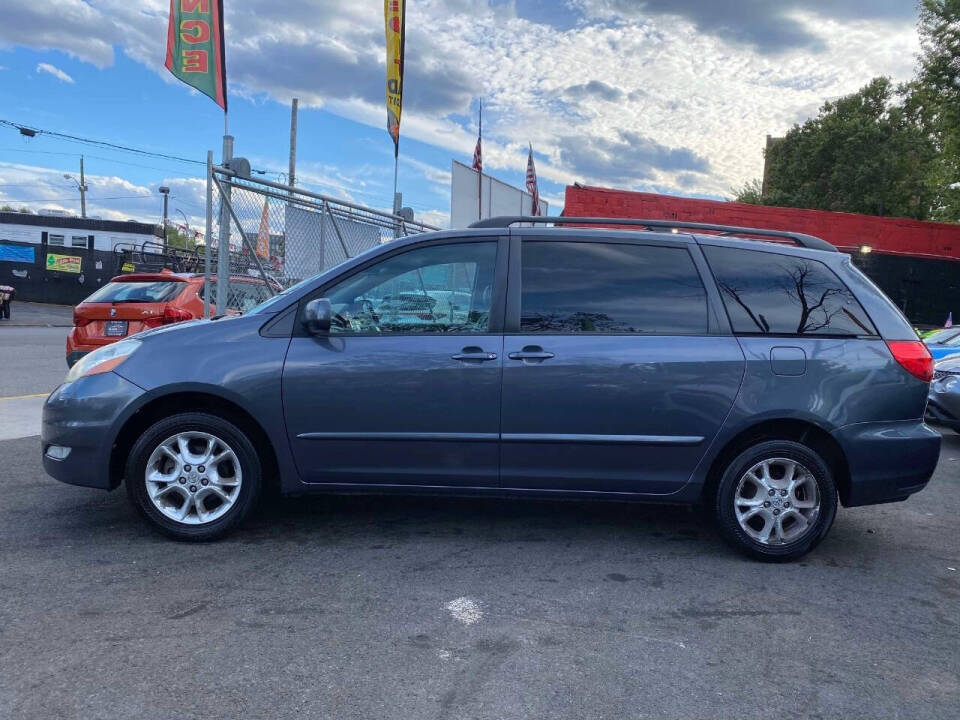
140	301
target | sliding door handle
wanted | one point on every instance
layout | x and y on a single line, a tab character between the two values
531	353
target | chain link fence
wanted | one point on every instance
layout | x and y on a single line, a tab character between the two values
283	235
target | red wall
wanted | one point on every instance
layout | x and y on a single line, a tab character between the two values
846	231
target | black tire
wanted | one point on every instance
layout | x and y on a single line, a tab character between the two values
725	511
229	433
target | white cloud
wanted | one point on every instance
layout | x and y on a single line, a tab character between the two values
55	71
637	93
109	196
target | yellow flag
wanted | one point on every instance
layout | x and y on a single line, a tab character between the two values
395	15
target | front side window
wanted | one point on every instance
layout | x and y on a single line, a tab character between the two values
55	240
772	294
590	287
438	289
79	241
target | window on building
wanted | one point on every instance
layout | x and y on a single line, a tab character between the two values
56	240
581	287
78	241
772	294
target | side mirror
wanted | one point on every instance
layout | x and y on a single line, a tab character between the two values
316	316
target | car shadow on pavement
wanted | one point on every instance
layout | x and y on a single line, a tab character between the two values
485	519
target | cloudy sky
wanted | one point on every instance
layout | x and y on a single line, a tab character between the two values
671	96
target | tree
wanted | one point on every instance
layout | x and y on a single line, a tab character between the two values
936	99
864	153
179	239
750	192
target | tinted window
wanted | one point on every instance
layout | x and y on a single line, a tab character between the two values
767	293
610	288
144	292
439	289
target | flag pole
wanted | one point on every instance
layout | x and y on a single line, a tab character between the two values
480	171
396	168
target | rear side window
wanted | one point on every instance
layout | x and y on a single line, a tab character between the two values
581	287
137	292
771	294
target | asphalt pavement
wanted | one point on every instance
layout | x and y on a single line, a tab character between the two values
408	608
380	607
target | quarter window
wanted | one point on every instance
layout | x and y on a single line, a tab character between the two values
78	241
438	289
589	287
772	294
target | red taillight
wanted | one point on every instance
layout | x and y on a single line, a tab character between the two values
914	357
80	321
170	316
173	315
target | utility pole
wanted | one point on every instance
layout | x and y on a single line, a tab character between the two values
83	191
165	191
293	143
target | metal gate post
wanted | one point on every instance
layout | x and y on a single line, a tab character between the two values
223	247
246	240
208	238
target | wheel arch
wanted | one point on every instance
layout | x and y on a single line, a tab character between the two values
801	431
192	401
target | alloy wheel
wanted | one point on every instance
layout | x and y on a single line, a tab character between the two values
193	478
777	501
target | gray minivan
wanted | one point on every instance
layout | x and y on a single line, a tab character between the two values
754	371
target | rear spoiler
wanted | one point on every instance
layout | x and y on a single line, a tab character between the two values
149	277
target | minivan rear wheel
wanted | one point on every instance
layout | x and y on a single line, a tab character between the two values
776	500
193	475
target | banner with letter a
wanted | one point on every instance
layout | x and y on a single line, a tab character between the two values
395	16
195	47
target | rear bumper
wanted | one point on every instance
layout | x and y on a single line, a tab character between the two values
85	416
888	461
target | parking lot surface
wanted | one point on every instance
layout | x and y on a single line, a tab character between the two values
378	607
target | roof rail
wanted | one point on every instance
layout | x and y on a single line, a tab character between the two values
806	241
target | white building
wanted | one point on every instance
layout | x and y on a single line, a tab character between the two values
71	233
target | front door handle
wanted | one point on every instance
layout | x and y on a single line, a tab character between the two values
474	354
531	353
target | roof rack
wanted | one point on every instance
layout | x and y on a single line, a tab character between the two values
806	241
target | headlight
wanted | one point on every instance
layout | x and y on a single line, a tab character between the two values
103	360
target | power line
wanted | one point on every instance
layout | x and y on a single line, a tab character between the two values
32	131
74	197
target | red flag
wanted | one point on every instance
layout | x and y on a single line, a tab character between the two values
532	184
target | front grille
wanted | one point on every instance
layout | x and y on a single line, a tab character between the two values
940	374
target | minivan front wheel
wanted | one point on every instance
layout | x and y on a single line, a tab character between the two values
776	500
193	475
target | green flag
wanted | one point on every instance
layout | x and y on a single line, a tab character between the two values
195	47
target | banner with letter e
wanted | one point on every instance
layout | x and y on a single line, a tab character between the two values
195	47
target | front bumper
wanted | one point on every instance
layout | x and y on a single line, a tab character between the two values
86	416
888	461
943	406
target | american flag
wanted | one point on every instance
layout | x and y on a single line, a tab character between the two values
532	184
478	156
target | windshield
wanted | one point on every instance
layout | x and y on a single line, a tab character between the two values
137	292
942	336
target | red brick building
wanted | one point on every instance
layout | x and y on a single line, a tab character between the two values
916	263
